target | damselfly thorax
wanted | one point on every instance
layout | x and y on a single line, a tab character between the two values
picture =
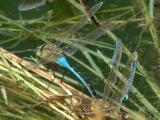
48	53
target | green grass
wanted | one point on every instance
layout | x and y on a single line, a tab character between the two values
25	88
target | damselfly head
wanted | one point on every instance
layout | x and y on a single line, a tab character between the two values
40	50
45	51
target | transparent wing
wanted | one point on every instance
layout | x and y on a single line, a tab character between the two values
92	36
86	19
83	21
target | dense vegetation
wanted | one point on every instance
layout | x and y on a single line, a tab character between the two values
32	91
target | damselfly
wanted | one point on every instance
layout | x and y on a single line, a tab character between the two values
52	52
132	73
114	63
123	86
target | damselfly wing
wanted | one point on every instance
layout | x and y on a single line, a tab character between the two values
52	52
90	37
83	21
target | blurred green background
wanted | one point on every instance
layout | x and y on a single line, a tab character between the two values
59	15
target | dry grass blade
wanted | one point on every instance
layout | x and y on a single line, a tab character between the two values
140	97
4	94
33	68
47	97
